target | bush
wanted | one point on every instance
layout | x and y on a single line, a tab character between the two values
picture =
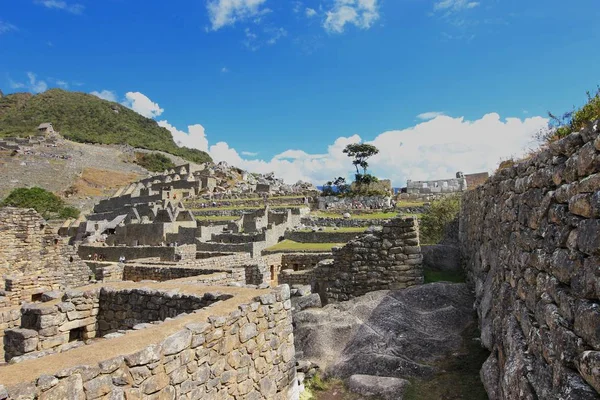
44	202
155	162
437	217
573	121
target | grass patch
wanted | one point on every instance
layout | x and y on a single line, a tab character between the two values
338	230
289	245
407	203
318	388
444	276
381	215
224	218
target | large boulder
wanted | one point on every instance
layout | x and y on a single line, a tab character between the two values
386	388
397	334
441	257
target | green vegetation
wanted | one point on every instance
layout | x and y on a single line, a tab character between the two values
318	388
155	162
573	121
338	230
408	203
458	376
86	118
381	215
444	276
44	202
437	217
289	245
217	218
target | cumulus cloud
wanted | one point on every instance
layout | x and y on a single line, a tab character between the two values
434	149
249	153
141	104
194	138
6	27
105	95
73	8
454	5
430	115
361	13
33	84
310	12
227	12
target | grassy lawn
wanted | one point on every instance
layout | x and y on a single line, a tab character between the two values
408	203
288	245
217	218
234	207
444	276
380	215
340	230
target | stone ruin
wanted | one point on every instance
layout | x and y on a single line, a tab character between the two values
212	316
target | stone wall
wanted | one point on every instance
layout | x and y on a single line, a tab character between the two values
302	261
161	273
10	317
113	253
247	353
342	222
530	237
386	258
320	236
357	202
34	256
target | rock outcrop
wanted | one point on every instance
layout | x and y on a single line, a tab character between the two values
399	334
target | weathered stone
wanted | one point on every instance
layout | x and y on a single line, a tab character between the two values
177	342
369	385
68	388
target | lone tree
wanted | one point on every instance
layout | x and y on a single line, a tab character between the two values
360	152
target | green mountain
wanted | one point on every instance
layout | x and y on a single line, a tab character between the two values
85	118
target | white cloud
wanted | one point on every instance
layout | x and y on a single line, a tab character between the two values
249	153
434	149
105	95
74	8
141	104
310	12
227	12
275	34
361	13
430	115
224	70
62	83
35	85
454	5
6	27
194	138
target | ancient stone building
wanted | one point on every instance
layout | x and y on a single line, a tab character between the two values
531	240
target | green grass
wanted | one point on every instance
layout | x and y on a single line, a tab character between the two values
380	215
444	276
85	118
340	230
408	203
289	245
217	218
458	376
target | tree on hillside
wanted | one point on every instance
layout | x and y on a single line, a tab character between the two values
360	152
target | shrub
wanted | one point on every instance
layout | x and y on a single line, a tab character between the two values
44	202
572	121
437	217
155	162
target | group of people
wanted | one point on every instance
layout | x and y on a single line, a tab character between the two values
96	257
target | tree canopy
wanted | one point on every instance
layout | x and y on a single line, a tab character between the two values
360	152
44	202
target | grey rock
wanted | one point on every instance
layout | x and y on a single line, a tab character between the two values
369	385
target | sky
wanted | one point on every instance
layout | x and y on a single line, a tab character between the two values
439	86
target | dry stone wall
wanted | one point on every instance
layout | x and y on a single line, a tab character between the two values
245	354
33	258
530	237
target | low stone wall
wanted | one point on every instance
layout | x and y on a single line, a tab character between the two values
530	237
341	222
320	236
247	353
137	273
388	258
238	237
357	202
302	261
302	277
106	272
113	253
10	317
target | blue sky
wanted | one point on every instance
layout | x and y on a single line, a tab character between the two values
283	85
